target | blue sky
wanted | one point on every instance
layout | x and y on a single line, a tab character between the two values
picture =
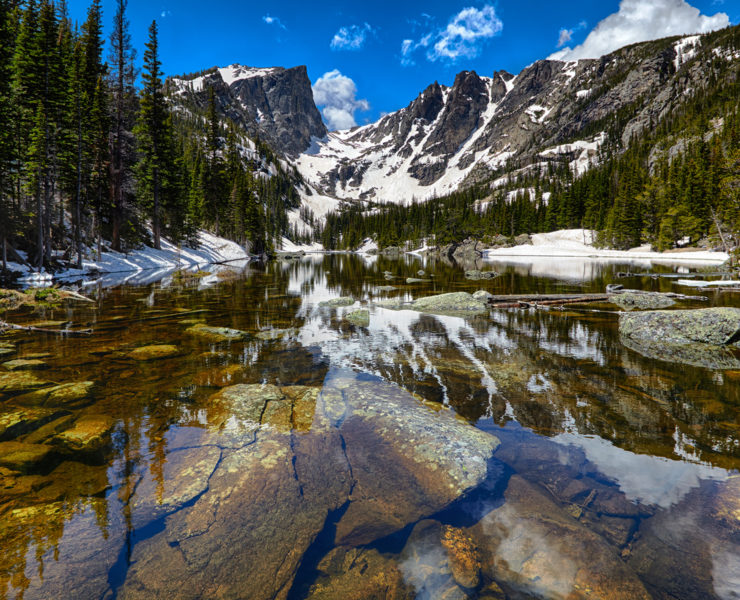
367	59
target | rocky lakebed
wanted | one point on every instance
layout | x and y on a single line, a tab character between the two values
338	428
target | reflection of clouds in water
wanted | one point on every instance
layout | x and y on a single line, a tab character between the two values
423	569
726	574
530	552
402	332
643	478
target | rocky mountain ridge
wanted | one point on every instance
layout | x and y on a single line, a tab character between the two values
275	104
480	129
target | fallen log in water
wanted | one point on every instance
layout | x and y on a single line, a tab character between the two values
4	326
534	300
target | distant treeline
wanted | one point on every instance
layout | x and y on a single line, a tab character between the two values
678	181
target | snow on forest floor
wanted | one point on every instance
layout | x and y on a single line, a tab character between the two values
578	243
143	265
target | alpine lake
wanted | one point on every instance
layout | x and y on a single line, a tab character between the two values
228	436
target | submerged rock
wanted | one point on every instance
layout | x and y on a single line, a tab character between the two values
476	275
22	421
336	302
290	459
23	457
360	318
271	335
72	395
530	544
6	351
408	460
219	377
156	352
20	381
696	337
216	334
358	574
641	300
89	434
22	364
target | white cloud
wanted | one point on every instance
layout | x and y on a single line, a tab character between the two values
642	20
461	38
565	36
338	95
350	38
273	21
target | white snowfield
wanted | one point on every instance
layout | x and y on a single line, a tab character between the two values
578	243
145	264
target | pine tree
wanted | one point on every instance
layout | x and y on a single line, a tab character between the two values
157	170
6	115
123	104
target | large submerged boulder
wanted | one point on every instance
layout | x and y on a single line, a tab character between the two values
704	338
279	466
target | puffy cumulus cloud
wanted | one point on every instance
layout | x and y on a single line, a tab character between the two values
642	20
337	94
461	38
464	32
350	38
273	21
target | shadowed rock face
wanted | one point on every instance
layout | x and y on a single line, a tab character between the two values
274	104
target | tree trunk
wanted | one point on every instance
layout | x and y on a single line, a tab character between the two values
155	217
78	194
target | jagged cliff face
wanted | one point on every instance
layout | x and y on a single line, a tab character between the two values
453	136
274	104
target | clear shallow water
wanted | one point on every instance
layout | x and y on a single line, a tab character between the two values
363	470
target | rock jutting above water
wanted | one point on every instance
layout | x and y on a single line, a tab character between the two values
20	381
630	300
455	302
337	302
360	318
702	337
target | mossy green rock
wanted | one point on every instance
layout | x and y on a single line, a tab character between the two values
22	364
89	433
73	395
641	300
417	280
18	456
156	352
694	337
455	302
217	334
20	381
360	318
713	326
335	302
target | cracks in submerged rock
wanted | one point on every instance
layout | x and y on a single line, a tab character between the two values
118	572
